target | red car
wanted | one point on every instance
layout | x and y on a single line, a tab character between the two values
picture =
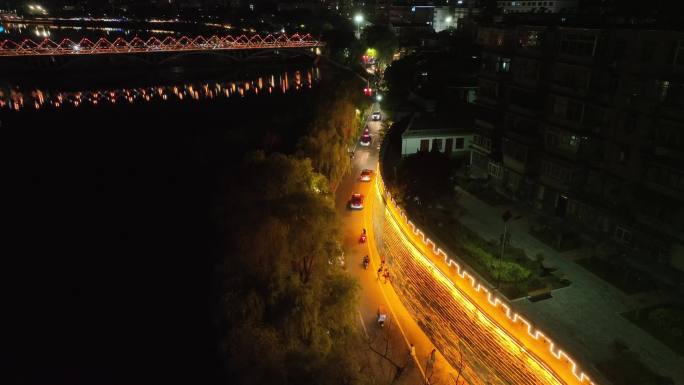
356	201
365	140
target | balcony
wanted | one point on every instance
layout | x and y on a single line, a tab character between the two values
525	102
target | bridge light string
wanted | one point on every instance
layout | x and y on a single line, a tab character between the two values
496	304
85	46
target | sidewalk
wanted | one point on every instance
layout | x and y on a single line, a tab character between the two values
585	317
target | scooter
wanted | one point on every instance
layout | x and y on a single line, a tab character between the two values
362	238
366	262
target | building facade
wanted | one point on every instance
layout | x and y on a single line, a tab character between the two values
587	124
553	6
426	132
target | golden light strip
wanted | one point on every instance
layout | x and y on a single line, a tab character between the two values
565	366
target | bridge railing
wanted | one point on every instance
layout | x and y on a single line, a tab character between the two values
85	46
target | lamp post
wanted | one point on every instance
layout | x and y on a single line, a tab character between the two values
506	217
358	19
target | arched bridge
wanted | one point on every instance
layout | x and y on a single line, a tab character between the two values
67	47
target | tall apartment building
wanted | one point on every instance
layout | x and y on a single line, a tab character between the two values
587	123
551	6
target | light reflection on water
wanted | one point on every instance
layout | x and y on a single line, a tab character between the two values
21	30
16	98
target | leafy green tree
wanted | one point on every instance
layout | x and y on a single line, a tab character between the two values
333	129
425	177
383	40
285	311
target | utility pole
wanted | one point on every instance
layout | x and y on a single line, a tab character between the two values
507	216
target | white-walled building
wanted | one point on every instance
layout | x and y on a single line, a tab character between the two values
550	6
426	132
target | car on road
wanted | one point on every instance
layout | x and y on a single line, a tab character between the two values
366	175
376	115
356	201
365	140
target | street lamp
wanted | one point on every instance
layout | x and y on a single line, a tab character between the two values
358	19
505	217
378	98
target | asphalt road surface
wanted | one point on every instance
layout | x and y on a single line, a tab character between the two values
400	332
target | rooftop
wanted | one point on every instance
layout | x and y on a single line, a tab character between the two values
458	120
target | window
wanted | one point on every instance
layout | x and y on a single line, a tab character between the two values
488	89
552	139
594	116
679	54
483	142
529	39
567	109
623	235
526	99
424	144
495	170
514	150
526	69
647	51
460	142
490	63
557	172
503	65
623	155
620	49
576	78
449	145
578	44
436	144
663	90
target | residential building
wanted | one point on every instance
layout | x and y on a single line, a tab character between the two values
586	123
450	134
553	6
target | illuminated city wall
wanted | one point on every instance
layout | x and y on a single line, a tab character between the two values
460	316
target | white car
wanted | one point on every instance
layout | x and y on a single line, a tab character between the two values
365	140
376	115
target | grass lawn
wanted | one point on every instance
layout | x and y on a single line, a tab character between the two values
622	276
525	277
669	329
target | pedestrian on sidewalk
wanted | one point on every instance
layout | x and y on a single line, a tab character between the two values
386	275
412	352
379	272
433	356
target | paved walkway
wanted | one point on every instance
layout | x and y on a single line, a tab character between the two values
585	317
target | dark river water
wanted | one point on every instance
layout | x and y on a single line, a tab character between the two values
113	187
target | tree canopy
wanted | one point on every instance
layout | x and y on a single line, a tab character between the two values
425	177
286	310
382	39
